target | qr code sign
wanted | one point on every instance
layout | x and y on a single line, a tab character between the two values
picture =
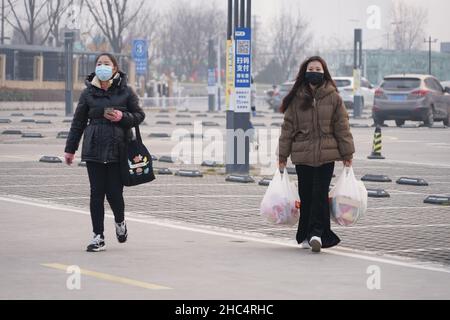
243	47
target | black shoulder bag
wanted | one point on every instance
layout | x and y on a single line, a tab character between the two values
136	164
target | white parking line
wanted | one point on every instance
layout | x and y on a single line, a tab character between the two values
418	250
434	165
14	157
351	253
396	226
155	184
430	207
234	196
191	211
44	185
394	191
39	175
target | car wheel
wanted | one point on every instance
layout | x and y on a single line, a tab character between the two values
447	121
429	121
399	123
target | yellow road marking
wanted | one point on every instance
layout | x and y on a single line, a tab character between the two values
109	277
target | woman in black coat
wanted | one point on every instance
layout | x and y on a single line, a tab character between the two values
107	110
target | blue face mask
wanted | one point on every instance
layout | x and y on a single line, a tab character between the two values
104	72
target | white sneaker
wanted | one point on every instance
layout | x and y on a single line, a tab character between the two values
121	232
316	244
305	245
97	244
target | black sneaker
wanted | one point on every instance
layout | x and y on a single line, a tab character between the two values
121	232
97	244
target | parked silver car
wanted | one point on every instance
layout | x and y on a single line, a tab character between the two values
411	97
345	86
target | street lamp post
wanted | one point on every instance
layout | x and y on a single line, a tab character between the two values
69	39
429	41
3	22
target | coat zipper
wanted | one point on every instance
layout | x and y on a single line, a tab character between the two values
319	132
315	122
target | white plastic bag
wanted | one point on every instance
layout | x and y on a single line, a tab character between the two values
348	199
281	202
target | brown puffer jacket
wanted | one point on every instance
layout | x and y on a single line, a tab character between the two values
316	129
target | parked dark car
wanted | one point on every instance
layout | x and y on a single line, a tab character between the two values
411	97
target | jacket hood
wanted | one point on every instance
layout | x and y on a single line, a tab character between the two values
319	93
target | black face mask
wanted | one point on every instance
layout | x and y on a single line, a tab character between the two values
315	78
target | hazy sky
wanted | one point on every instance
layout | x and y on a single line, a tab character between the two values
337	18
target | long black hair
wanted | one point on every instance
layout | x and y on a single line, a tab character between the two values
301	83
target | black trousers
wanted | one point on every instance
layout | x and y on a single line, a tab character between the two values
105	180
313	185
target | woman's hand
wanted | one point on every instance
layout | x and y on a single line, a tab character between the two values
68	157
348	163
115	116
282	164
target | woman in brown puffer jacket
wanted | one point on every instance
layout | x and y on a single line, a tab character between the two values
315	134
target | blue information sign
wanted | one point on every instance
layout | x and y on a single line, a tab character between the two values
242	76
140	56
211	78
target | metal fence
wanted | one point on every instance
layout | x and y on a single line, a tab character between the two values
20	61
379	63
192	103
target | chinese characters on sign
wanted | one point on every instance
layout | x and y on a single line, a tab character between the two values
140	56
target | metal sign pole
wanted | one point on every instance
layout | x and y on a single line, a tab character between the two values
233	18
68	50
211	77
358	103
242	100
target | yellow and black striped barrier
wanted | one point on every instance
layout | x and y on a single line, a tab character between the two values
377	145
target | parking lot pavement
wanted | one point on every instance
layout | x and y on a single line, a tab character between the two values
400	227
42	256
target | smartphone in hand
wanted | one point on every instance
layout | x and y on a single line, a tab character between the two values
109	111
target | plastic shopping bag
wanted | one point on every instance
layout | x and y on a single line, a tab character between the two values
348	199
281	202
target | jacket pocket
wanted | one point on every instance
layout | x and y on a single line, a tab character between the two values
90	144
301	152
302	135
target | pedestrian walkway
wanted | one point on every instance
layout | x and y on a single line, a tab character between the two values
172	260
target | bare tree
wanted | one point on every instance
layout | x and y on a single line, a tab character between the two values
145	26
290	39
409	22
55	12
113	17
261	49
27	26
185	34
